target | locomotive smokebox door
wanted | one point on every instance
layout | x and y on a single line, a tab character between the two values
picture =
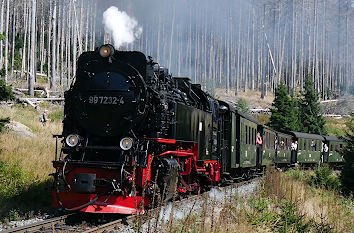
84	182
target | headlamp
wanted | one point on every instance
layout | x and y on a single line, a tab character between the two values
126	143
106	50
72	140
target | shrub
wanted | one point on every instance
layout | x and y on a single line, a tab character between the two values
3	122
290	220
324	177
260	213
56	115
13	180
5	91
243	106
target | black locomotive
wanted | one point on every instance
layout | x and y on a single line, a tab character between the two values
132	131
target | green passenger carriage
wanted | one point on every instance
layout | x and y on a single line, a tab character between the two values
268	146
247	133
335	146
283	144
309	147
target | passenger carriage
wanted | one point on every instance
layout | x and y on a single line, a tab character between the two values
309	148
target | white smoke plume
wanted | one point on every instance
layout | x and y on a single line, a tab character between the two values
123	28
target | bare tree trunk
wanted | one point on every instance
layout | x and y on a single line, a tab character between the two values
87	28
26	17
302	62
62	44
93	26
74	40
1	31
58	37
171	38
6	57
42	46
31	77
238	77
68	46
53	51
49	37
13	41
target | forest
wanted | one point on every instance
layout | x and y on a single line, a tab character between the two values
238	45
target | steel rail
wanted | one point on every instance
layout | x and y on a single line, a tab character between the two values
111	225
49	223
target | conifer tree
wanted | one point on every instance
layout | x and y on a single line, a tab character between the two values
347	174
284	117
310	110
243	106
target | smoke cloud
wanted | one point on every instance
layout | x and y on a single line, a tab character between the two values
123	28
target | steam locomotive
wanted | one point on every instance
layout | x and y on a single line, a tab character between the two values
132	132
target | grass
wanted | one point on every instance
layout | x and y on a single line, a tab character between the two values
25	163
284	202
262	118
336	127
253	98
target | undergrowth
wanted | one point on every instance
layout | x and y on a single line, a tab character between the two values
284	203
25	163
320	177
283	216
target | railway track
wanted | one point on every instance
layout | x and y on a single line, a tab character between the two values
116	224
59	224
49	225
112	225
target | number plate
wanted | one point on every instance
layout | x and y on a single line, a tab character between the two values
106	100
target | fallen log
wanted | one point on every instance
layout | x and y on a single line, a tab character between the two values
29	102
42	99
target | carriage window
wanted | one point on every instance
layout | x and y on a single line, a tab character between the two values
273	142
286	143
252	139
341	146
254	136
314	146
282	143
332	147
268	140
336	147
305	145
299	145
246	141
249	136
318	145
